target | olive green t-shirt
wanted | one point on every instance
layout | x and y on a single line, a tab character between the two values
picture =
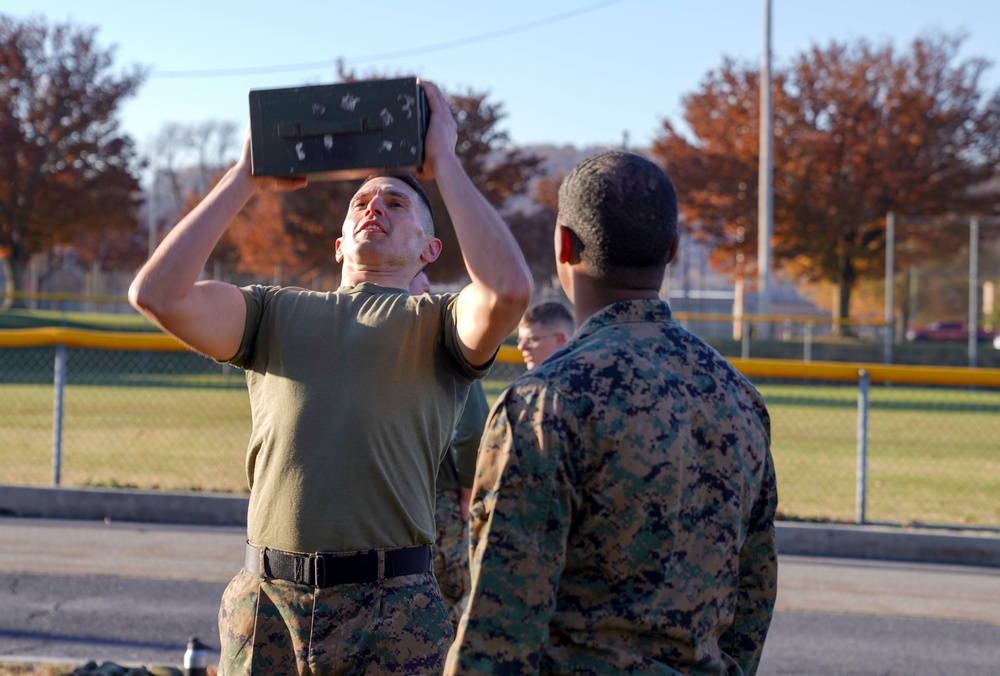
354	395
458	469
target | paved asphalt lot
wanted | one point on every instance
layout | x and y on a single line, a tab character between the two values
132	593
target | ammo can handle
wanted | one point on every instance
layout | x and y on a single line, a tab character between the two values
292	130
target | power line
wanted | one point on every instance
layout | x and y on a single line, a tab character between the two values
437	47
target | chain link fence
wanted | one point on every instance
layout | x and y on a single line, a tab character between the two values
916	456
123	418
899	452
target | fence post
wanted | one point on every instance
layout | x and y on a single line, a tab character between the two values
57	412
862	469
889	336
807	343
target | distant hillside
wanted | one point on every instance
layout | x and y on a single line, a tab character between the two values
557	161
565	157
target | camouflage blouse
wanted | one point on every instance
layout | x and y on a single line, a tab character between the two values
623	510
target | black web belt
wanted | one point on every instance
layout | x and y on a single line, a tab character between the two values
327	569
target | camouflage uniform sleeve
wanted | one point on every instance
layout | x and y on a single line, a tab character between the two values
758	581
521	512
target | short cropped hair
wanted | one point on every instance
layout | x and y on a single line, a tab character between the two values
622	209
547	313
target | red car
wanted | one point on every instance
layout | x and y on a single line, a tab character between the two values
953	331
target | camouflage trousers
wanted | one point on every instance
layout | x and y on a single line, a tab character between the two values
451	553
273	627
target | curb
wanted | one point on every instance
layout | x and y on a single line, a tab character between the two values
220	509
210	509
887	543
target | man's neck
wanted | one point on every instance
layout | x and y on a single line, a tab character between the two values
590	299
391	280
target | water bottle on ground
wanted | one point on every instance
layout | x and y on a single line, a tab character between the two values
197	657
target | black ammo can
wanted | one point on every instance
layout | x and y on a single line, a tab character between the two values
338	131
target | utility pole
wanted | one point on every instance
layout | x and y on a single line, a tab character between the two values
973	324
765	197
890	273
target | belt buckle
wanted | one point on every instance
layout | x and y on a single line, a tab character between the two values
318	570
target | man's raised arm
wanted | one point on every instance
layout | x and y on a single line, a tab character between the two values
491	306
207	316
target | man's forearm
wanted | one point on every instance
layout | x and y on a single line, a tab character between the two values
491	306
206	316
491	253
178	262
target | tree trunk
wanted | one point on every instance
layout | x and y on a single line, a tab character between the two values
13	274
7	299
842	299
844	311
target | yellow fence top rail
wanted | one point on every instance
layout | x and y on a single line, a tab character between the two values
878	373
842	371
765	368
105	340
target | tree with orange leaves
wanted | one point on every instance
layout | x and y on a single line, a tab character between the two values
859	131
67	172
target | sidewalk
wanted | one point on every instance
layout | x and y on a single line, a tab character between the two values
806	539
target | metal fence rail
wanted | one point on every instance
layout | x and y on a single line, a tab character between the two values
864	443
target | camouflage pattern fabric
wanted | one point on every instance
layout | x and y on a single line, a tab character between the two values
623	511
451	553
458	468
274	627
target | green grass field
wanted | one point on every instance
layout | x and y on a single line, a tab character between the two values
933	454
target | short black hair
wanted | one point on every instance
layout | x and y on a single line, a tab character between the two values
622	209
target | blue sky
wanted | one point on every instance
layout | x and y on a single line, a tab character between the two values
581	72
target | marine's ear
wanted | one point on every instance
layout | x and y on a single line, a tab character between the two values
564	244
432	249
